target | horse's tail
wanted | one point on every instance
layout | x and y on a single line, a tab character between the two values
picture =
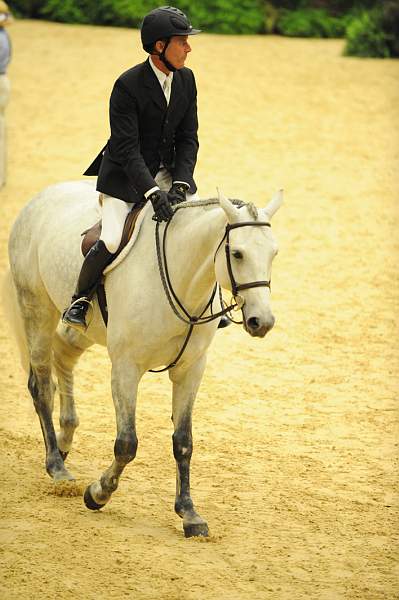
11	308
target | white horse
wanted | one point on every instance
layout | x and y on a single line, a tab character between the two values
207	242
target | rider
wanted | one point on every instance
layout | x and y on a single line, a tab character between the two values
152	151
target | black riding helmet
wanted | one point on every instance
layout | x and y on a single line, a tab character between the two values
161	24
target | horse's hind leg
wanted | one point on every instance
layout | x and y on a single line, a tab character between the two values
68	346
185	387
40	320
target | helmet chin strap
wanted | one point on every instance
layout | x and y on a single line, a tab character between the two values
165	61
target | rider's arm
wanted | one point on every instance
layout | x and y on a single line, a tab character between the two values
186	140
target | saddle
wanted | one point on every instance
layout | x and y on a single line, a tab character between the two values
90	237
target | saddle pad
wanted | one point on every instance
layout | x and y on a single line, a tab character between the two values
130	232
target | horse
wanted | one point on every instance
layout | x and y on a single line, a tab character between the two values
163	310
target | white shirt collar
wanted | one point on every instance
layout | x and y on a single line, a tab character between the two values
160	75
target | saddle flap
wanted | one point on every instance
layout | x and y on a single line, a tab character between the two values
91	235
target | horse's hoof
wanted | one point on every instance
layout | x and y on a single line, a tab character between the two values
90	502
57	470
196	530
62	475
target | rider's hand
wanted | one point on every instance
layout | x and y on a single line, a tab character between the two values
162	208
177	193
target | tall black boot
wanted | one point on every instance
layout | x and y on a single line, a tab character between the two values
93	266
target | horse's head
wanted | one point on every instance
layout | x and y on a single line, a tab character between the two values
243	263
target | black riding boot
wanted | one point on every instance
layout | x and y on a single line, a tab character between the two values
93	266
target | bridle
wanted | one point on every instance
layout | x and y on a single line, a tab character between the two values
175	303
235	287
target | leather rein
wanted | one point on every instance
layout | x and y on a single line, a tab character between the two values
177	306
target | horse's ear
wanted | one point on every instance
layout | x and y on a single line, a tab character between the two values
274	204
231	211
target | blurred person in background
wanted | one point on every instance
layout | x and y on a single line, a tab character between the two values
152	151
5	56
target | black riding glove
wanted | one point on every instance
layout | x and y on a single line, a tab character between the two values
177	193
162	208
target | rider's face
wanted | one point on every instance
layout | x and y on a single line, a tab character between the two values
177	50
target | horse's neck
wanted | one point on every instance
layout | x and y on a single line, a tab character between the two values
191	245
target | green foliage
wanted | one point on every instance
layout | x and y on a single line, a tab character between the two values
107	12
225	16
122	12
69	11
221	16
332	7
371	26
25	8
365	37
310	23
390	25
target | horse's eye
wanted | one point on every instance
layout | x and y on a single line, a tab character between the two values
237	254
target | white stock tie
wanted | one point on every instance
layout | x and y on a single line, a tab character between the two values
166	88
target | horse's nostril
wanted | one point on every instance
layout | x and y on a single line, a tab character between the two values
253	323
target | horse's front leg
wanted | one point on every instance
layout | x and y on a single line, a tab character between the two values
185	387
125	379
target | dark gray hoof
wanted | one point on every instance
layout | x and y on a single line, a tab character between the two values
56	469
90	502
196	530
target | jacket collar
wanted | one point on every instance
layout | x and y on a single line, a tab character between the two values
152	83
155	90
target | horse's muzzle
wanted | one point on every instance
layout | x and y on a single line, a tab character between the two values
257	327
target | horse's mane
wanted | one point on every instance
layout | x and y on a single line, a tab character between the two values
211	203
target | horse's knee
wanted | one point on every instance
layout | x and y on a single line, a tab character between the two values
125	448
182	445
69	423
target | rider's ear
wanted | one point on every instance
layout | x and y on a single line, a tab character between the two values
231	211
159	46
274	204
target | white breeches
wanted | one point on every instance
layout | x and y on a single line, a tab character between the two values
114	212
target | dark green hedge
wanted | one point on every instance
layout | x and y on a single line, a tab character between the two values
105	12
222	16
374	33
310	22
225	16
371	27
